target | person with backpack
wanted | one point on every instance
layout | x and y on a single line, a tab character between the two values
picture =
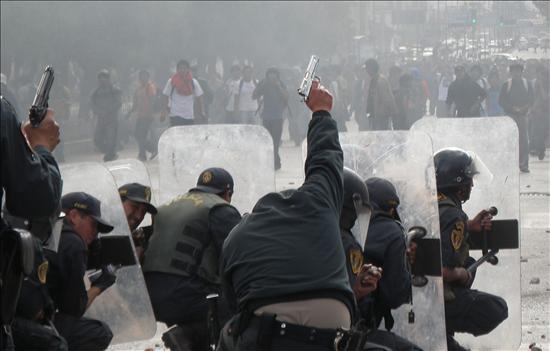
181	93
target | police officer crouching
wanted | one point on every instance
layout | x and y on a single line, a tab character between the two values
283	265
466	310
181	261
136	201
68	265
386	247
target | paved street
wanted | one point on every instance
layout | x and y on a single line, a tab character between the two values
535	239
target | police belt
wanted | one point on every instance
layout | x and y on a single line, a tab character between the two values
330	339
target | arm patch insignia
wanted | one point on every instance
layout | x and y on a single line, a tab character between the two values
457	235
356	260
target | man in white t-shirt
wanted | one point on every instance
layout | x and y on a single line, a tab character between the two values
244	103
183	98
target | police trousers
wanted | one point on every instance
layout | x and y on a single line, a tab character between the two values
32	336
83	334
389	340
474	312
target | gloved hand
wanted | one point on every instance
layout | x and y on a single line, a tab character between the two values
105	279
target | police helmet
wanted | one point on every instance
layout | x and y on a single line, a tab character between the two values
356	211
355	190
455	168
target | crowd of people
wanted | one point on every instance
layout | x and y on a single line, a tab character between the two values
378	98
291	274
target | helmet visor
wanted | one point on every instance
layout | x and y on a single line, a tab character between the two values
361	226
478	171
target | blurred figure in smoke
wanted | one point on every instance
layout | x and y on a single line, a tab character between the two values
465	94
105	103
419	98
181	93
381	105
493	108
403	96
476	72
245	104
443	88
540	114
143	107
208	96
231	90
516	98
274	100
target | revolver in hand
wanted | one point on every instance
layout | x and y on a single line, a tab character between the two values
40	103
309	76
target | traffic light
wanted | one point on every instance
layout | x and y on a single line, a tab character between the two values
473	16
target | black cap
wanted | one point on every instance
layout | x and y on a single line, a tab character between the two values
88	204
138	193
214	180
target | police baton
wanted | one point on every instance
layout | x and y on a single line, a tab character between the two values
488	255
213	321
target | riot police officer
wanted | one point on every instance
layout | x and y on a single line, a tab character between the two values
136	201
385	248
466	310
32	184
283	266
181	260
68	265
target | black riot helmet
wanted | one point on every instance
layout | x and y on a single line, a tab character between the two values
456	168
356	210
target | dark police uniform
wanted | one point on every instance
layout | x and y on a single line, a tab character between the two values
32	183
367	306
31	327
466	310
66	285
386	248
289	249
31	180
181	261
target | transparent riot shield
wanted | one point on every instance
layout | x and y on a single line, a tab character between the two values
495	141
125	306
132	170
245	151
405	159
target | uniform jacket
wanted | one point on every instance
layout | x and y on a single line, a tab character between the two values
289	248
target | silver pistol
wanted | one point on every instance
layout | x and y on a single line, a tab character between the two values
309	76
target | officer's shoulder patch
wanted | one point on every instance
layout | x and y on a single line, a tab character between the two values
457	235
42	272
356	260
441	197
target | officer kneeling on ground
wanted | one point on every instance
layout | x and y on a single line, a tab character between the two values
385	248
65	278
466	310
136	201
181	262
283	265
